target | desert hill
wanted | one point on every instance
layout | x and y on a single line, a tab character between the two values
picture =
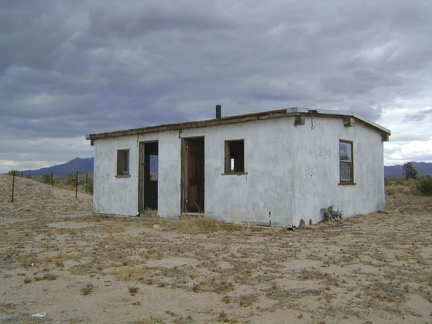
34	199
396	171
80	165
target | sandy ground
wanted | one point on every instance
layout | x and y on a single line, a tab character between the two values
61	264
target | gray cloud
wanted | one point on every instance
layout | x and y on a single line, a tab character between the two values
73	68
419	115
366	111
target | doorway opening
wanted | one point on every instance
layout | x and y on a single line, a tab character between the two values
193	175
149	176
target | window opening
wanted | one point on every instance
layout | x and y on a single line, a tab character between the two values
122	162
346	162
234	156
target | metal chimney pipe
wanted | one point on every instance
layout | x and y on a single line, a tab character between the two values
218	111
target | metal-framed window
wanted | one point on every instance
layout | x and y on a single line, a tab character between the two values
346	165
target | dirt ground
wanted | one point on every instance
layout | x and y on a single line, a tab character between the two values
58	263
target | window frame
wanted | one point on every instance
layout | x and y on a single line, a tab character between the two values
349	162
123	163
231	157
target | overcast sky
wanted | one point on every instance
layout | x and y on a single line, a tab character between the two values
71	68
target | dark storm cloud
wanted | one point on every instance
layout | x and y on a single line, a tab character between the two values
419	115
125	21
69	68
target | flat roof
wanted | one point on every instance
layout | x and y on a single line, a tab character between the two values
294	111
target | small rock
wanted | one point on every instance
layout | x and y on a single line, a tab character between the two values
4	317
302	223
39	315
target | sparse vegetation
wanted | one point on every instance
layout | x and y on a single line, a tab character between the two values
87	290
376	265
246	300
331	214
88	187
71	180
424	185
47	178
133	290
68	182
397	186
46	276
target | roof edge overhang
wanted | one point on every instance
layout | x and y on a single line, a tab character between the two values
339	113
295	111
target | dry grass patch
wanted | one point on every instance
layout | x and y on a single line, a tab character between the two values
128	272
373	267
133	290
247	300
149	320
45	276
87	290
199	225
216	285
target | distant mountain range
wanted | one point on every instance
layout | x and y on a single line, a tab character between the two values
396	171
87	165
71	167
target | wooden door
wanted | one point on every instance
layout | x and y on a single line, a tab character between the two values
193	178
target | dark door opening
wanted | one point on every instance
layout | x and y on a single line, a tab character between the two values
149	174
193	175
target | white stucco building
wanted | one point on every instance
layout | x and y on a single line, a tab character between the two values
277	167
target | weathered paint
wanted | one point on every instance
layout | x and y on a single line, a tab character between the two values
291	171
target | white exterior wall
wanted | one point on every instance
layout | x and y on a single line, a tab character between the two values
263	190
292	172
317	169
118	195
169	194
111	194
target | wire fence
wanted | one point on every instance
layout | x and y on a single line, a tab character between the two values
78	181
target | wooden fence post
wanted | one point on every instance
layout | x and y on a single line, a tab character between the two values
76	185
13	185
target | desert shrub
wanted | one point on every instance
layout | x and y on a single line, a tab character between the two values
70	180
406	190
133	290
390	181
89	186
47	178
87	290
424	186
391	190
411	185
400	186
332	215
